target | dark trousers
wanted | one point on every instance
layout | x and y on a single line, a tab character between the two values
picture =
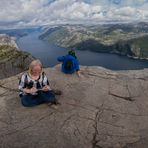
29	100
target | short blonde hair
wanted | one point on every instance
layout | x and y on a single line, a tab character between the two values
33	64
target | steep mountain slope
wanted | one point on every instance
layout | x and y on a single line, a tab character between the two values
12	60
124	39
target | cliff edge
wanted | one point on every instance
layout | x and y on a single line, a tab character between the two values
101	109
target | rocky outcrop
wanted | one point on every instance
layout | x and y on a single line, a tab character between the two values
7	40
12	60
100	109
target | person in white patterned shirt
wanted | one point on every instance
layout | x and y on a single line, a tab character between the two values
34	87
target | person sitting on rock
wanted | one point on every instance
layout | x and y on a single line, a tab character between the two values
34	87
70	63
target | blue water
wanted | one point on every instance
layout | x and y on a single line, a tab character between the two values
48	54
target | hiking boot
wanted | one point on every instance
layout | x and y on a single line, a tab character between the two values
56	102
54	106
57	92
49	104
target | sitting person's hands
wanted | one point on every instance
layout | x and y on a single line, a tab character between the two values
46	88
78	73
31	90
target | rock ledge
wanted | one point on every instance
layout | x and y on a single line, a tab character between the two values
101	109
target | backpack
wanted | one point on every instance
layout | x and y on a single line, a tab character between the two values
68	65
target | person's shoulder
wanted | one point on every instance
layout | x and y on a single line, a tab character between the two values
67	57
24	74
70	57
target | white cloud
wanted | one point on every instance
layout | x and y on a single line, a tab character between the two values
21	13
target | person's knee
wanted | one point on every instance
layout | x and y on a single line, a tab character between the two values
50	96
25	104
50	93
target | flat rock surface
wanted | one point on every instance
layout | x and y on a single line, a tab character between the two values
100	109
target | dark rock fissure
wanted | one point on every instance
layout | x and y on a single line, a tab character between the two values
118	96
97	118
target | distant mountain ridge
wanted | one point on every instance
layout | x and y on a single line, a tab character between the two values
124	39
19	32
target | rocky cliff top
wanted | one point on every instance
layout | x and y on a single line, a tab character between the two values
100	109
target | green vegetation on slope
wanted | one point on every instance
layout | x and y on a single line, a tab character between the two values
140	46
8	53
124	39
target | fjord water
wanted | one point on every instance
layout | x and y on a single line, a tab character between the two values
48	54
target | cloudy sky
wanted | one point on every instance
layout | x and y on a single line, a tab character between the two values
24	13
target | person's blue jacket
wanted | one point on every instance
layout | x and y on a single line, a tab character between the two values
66	58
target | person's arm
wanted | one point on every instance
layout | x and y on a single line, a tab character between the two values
21	87
77	67
46	85
78	72
22	83
61	59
